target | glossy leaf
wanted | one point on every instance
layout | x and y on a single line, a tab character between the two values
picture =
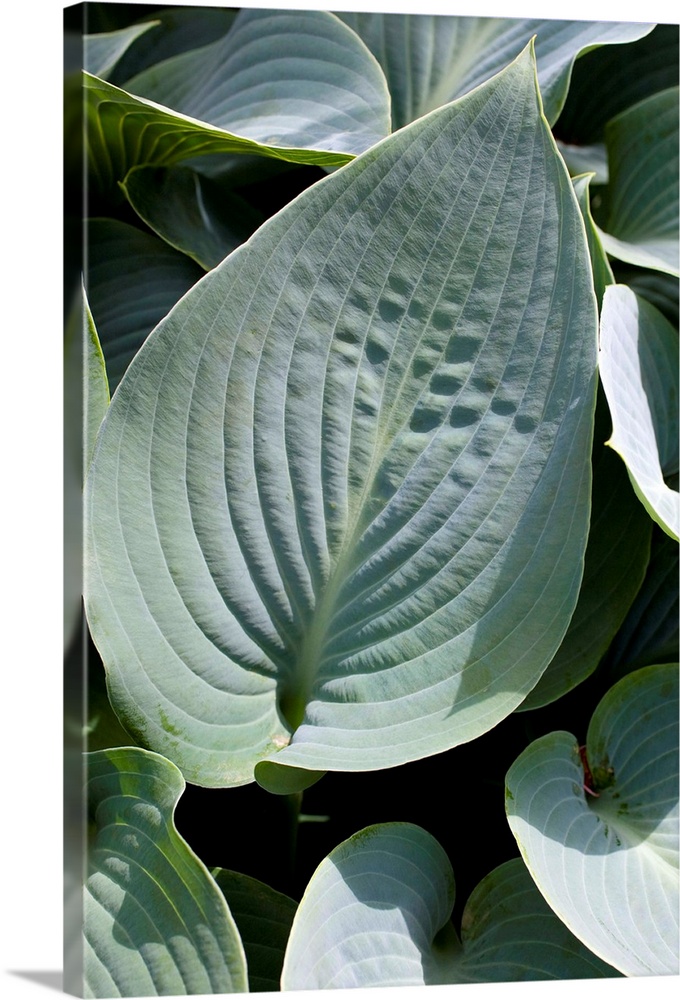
432	59
297	86
133	280
376	913
339	506
199	216
642	221
155	922
639	372
264	918
608	864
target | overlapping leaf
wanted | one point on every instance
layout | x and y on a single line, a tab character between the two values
611	78
133	280
264	918
102	51
377	913
639	372
197	215
155	922
608	865
298	86
340	502
432	59
650	632
642	220
616	559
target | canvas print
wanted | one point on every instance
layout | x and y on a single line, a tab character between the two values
372	439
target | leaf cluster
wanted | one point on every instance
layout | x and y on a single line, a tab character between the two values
379	335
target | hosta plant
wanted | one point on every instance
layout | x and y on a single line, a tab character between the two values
380	497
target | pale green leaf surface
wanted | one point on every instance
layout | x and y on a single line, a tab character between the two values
616	559
642	220
155	922
608	865
264	918
340	502
639	372
431	59
133	279
199	216
377	911
102	51
299	86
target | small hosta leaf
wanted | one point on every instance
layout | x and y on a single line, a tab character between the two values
155	922
639	372
264	918
133	280
641	226
607	860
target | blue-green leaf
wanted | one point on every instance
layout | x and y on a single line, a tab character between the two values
155	922
639	372
339	506
607	859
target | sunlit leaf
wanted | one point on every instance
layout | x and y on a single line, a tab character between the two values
339	506
377	911
608	862
155	921
639	372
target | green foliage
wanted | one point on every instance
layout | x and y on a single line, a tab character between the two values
358	514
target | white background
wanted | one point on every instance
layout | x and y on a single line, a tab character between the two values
30	488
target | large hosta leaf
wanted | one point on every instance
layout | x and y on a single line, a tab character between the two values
155	921
639	371
339	505
299	86
608	865
641	226
431	59
377	912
